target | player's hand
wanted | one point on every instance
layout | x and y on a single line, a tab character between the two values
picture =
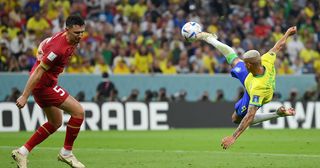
227	142
21	101
292	30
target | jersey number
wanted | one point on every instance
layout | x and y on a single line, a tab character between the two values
59	90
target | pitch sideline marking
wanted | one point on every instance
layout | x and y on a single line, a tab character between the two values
175	151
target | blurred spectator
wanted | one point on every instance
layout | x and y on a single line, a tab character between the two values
16	16
31	7
39	24
104	89
12	29
169	69
18	44
276	96
316	63
179	96
148	96
179	20
24	65
142	61
93	8
297	66
262	29
4	58
4	38
134	95
13	65
316	89
156	67
120	67
308	55
277	34
309	95
210	62
58	25
285	69
219	96
162	96
15	93
139	9
196	61
204	97
236	45
31	40
114	97
293	96
183	66
100	66
294	46
81	97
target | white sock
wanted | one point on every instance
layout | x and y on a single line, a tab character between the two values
23	150
223	48
65	152
258	118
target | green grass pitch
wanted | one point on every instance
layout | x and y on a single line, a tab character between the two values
177	148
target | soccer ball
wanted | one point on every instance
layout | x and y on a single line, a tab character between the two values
190	30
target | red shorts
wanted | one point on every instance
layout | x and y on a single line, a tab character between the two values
50	96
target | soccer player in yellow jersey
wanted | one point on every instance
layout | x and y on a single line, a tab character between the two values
257	74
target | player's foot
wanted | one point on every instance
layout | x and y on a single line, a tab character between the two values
204	36
70	160
282	111
20	159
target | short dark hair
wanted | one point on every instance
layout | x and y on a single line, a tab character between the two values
74	20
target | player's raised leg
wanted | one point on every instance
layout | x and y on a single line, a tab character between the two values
226	50
281	112
54	116
74	108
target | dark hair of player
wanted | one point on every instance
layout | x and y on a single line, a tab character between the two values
74	20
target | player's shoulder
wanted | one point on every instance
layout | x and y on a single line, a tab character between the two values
57	42
269	53
268	57
57	38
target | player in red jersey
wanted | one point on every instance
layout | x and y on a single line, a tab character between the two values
53	55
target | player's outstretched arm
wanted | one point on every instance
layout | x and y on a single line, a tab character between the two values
279	45
246	121
31	83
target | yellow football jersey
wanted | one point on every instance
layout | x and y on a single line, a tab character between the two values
260	88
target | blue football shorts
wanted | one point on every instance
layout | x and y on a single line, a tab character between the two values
240	72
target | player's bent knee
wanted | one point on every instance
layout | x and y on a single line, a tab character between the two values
56	124
79	113
235	119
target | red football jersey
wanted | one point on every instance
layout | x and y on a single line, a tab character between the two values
55	52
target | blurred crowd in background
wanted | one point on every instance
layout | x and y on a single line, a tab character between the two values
143	36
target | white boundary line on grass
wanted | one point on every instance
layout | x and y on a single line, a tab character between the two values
176	151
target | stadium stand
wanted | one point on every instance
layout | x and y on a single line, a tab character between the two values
142	36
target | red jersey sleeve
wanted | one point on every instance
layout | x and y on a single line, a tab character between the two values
50	58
